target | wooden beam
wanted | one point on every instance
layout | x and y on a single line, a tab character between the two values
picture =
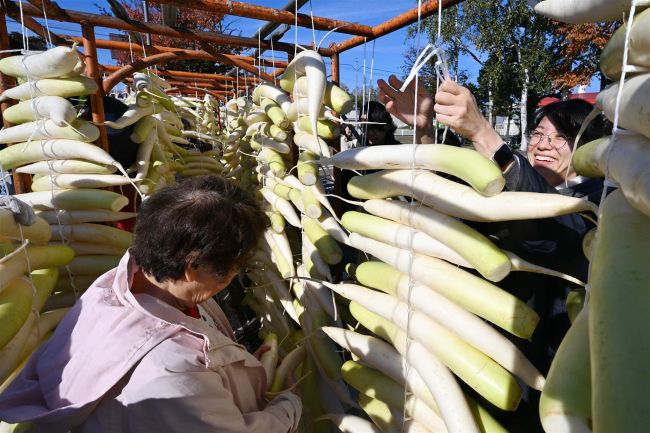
232	60
14	12
92	71
247	10
72	16
407	18
153	49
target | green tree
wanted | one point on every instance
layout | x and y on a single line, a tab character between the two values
512	46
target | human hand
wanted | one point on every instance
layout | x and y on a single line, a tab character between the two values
400	104
456	107
261	351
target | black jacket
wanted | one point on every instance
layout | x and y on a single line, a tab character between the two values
555	243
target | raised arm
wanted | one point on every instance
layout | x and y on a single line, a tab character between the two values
400	105
456	107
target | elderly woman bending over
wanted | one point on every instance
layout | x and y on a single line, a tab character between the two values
146	349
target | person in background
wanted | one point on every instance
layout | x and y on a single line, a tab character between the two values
555	243
383	130
348	140
146	349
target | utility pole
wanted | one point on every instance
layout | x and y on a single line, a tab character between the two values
145	6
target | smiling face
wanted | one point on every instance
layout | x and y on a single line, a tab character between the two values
551	159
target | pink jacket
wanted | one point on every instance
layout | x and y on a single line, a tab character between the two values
120	362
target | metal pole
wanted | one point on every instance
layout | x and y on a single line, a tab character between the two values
145	6
402	20
92	70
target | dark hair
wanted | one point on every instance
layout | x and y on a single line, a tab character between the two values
377	113
568	116
202	221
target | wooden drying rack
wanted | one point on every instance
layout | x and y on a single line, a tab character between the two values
217	85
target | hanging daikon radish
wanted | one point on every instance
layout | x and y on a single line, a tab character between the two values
399	235
75	199
41	150
88	232
474	367
56	108
66	88
377	385
638	55
441	383
467	326
93	248
565	403
53	63
312	144
627	163
472	167
461	201
324	128
469	291
31	258
83	216
66	166
15	305
38	233
92	264
130	116
619	302
68	181
334	97
586	11
325	244
634	114
47	129
273	93
310	64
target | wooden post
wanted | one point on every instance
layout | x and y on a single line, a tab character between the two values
21	181
336	71
92	70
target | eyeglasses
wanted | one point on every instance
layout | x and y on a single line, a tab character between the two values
555	139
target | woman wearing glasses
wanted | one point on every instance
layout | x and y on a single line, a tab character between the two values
555	243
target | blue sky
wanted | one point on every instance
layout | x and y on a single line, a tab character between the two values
388	51
385	55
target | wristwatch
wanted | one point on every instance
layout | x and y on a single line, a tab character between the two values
503	157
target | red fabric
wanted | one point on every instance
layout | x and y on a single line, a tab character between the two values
192	312
589	97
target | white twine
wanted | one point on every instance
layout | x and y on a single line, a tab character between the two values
609	182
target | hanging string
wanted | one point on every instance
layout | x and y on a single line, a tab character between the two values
439	38
237	81
295	37
372	65
363	92
608	182
275	78
22	27
313	28
131	47
47	26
